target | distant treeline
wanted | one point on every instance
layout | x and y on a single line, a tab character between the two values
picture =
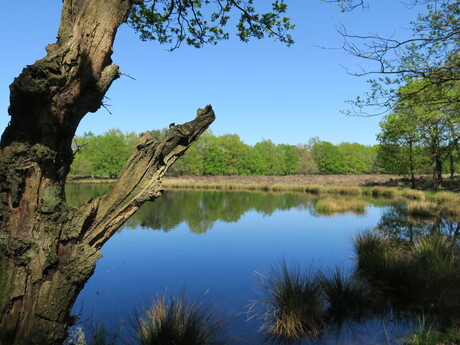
104	155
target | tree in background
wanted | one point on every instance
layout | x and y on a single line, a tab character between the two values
271	157
420	133
291	164
328	157
359	159
213	158
103	155
400	150
235	155
307	164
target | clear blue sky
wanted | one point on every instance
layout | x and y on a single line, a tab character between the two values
259	90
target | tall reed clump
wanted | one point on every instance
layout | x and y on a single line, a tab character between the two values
293	305
343	190
413	194
347	296
382	192
421	208
381	261
430	333
330	206
287	188
313	189
448	204
175	320
443	204
422	275
300	305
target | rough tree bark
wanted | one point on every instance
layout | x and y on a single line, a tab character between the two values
48	250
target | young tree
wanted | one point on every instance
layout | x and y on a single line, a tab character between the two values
48	250
328	158
400	149
359	159
307	164
420	122
213	158
291	164
107	153
272	157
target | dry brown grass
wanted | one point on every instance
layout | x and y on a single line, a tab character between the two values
413	194
292	180
421	208
333	206
89	180
448	204
382	192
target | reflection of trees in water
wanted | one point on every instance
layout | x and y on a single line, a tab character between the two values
77	194
395	223
201	209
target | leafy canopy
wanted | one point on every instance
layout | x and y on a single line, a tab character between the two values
429	52
200	22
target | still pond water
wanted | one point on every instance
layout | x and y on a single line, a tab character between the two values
212	244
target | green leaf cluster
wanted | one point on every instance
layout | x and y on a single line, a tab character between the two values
102	155
200	22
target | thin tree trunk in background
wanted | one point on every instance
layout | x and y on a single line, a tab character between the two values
411	164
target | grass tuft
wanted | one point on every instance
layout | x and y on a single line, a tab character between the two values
429	333
313	189
330	206
178	321
421	208
343	190
443	204
419	275
348	297
293	307
382	192
413	194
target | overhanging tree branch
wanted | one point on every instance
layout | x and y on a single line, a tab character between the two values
139	180
431	54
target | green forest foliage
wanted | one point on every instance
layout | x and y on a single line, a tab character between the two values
409	143
104	155
422	134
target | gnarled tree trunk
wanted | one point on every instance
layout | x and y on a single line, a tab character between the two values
48	250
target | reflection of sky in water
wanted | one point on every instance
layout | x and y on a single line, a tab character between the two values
139	263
